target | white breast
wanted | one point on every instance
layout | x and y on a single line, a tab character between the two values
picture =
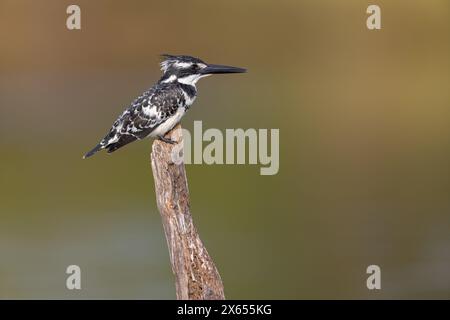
166	126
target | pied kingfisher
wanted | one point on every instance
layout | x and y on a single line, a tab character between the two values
160	108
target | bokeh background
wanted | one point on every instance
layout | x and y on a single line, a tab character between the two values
364	147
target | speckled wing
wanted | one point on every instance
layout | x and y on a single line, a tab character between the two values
144	115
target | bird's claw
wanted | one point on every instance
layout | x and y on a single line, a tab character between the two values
166	140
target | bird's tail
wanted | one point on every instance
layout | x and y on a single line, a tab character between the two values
93	151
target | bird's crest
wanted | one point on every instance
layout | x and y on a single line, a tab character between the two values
179	61
168	60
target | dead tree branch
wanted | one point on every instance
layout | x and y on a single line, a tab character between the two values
195	273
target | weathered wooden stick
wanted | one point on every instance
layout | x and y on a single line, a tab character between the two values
195	273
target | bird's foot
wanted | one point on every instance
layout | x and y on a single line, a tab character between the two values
166	140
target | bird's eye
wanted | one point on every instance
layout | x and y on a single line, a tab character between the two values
195	67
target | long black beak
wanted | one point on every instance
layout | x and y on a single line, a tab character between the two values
217	68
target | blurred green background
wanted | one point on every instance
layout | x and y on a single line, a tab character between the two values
364	147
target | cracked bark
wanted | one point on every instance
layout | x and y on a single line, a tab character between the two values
196	276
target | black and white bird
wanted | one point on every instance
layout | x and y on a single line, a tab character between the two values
159	109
